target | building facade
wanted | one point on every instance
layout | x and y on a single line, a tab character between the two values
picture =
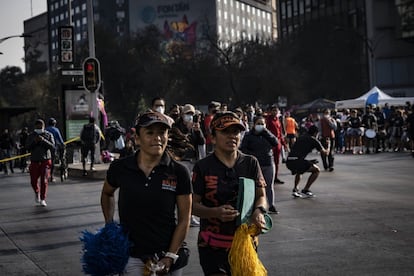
390	33
188	23
110	15
194	21
37	45
384	27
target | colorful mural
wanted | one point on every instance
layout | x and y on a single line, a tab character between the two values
183	23
180	37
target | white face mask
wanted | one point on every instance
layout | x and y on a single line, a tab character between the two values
38	130
188	118
259	128
160	109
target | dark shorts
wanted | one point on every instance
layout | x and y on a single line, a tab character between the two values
86	148
354	132
291	136
298	166
214	261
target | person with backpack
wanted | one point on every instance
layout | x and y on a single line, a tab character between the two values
112	134
40	143
89	136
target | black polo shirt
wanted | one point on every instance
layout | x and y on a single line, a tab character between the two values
217	185
147	204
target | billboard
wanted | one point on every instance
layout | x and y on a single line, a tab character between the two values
78	107
183	24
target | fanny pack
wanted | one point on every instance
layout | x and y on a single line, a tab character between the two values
216	240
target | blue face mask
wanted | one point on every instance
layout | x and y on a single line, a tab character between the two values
259	128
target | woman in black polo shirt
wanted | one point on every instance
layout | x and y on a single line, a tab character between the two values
151	186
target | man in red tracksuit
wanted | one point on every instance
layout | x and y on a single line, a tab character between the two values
275	126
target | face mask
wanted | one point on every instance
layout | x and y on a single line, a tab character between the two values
259	128
38	130
188	118
160	109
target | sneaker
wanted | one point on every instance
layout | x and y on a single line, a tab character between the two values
278	181
37	198
296	194
84	173
307	193
194	222
331	169
272	210
43	203
52	179
93	169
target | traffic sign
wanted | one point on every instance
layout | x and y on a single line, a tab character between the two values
72	72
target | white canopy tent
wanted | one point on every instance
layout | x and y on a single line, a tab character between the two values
373	96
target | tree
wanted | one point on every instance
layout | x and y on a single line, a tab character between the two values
10	78
33	65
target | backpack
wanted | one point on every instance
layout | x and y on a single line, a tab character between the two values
88	134
114	134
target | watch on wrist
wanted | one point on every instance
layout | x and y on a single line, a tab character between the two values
171	255
262	209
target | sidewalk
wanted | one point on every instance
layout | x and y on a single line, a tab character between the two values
76	171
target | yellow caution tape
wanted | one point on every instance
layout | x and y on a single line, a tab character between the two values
28	154
14	157
72	140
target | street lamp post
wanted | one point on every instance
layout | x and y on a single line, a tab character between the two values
12	36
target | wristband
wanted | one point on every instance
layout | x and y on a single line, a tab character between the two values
171	255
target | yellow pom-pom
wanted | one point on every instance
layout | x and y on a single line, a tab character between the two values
243	257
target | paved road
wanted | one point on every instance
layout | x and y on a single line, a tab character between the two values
360	223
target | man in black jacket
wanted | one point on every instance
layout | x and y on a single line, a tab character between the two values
40	143
6	146
90	136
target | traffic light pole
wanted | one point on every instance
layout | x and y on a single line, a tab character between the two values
91	32
91	39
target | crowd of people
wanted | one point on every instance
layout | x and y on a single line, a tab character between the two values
372	129
190	163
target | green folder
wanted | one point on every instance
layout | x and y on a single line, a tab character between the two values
245	203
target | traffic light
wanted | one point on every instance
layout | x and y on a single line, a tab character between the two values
91	74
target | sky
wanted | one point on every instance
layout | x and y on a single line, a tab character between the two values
12	15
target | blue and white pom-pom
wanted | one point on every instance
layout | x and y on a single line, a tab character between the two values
106	251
